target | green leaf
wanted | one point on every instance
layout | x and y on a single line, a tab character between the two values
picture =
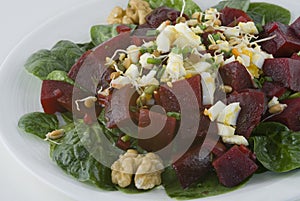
59	75
102	33
269	12
237	4
61	57
72	155
210	186
38	123
276	147
190	7
86	46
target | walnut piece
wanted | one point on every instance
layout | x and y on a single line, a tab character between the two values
135	13
149	171
146	168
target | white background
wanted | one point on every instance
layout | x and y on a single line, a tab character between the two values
17	19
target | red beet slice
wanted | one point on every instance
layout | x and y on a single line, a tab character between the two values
50	92
272	89
295	56
252	107
160	139
296	27
117	110
236	75
192	166
123	145
284	44
291	115
169	101
76	67
234	166
238	20
58	96
233	16
285	71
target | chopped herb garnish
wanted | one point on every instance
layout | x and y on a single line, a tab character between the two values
154	61
176	115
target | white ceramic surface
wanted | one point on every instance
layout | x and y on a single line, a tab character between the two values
20	94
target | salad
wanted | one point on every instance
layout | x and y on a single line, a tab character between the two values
167	94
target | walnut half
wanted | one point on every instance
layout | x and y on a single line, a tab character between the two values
146	168
135	13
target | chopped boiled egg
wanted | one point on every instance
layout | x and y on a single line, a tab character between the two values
214	111
120	82
201	66
248	27
244	59
224	130
232	32
175	69
208	88
229	60
229	114
149	79
166	38
132	72
144	60
235	139
133	53
186	37
273	101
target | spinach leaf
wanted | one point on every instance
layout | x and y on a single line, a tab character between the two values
276	147
190	6
237	4
208	187
38	123
102	33
268	12
86	46
59	75
75	159
61	57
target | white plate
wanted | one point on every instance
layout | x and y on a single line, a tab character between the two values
20	95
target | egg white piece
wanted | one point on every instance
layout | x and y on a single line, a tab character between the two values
229	114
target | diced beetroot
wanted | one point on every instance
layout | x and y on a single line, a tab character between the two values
205	39
121	144
290	115
236	75
284	44
76	67
156	140
139	36
296	26
272	89
231	16
295	56
65	97
285	71
123	28
161	14
50	92
218	147
238	20
192	167
234	166
252	107
90	70
168	99
117	111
